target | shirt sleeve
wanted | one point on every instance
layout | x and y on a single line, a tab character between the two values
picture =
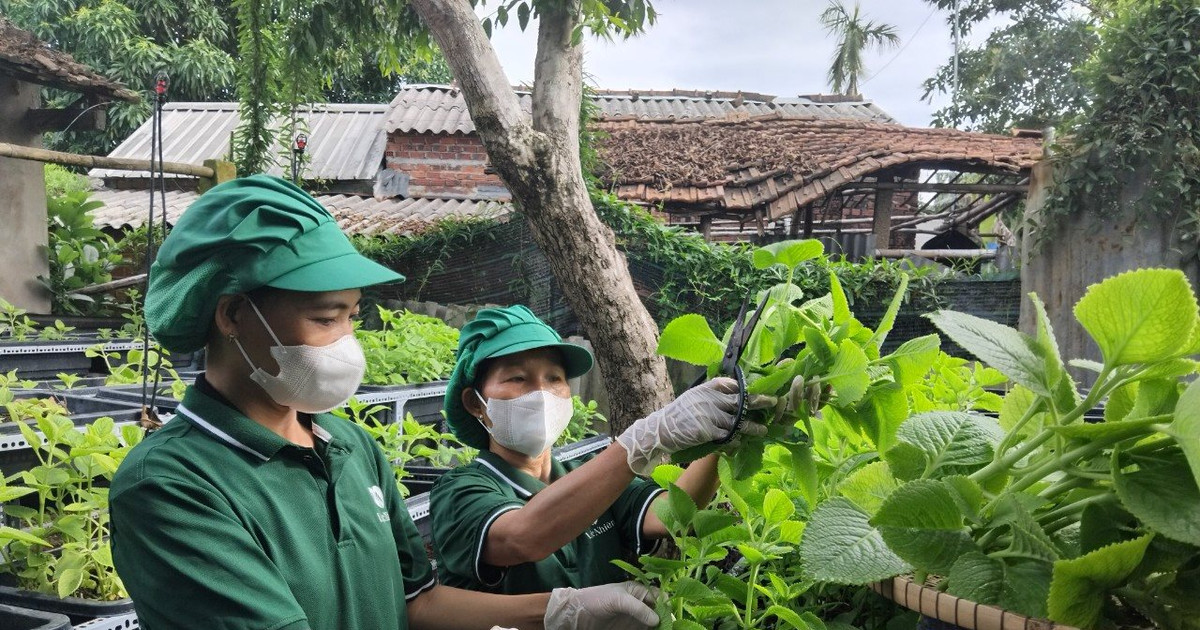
178	546
415	566
464	504
630	510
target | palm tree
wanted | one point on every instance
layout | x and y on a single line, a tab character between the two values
855	34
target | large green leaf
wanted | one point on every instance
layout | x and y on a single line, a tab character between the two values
1139	316
879	414
688	338
1015	354
1186	427
848	376
1162	493
841	307
1020	586
1016	403
889	317
914	358
1079	587
949	441
842	547
868	486
922	522
788	253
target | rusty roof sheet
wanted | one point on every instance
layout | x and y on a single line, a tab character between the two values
781	164
24	56
355	214
442	109
345	142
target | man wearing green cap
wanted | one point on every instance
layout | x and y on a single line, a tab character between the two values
253	508
516	520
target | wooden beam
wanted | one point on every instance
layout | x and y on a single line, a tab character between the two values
43	120
936	253
985	189
882	223
19	152
113	285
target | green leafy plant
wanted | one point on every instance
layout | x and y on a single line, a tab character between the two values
15	325
407	348
79	254
1043	510
135	367
584	422
62	545
407	442
9	382
58	332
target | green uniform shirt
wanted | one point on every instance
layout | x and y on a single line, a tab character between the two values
466	501
219	523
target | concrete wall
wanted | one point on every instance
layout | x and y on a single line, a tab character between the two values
22	203
1084	249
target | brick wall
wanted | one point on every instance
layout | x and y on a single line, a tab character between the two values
440	165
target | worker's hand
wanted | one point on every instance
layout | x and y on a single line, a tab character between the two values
701	414
622	606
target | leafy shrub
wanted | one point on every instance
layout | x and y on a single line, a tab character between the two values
408	348
79	254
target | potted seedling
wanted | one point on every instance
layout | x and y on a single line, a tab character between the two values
57	554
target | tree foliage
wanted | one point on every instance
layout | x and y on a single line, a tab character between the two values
130	41
855	34
1137	145
1022	75
287	51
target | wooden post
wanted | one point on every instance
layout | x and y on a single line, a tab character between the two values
706	226
882	223
222	172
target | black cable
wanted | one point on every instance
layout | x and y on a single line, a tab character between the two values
157	180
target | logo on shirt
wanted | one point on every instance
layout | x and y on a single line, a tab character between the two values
377	495
599	528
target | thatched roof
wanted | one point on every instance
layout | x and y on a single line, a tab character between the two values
28	58
783	164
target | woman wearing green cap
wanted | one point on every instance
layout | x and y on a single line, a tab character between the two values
516	520
253	508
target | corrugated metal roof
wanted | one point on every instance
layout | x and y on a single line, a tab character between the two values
355	214
441	108
345	142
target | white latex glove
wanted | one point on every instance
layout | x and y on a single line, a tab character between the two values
701	414
621	606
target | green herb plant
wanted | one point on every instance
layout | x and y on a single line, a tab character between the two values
79	254
15	325
58	332
61	547
407	442
9	382
407	348
128	369
1052	509
584	423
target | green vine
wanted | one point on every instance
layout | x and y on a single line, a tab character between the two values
1138	144
432	247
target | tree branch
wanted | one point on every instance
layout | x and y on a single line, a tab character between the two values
558	74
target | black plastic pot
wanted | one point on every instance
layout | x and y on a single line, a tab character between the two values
77	609
15	618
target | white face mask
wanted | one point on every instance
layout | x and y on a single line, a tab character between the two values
528	424
312	379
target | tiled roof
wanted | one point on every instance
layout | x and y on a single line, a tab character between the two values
355	214
441	108
345	142
27	58
779	164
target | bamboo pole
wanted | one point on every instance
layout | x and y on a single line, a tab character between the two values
113	284
19	152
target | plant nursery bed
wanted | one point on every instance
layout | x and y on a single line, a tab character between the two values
952	613
422	400
83	408
17	618
77	609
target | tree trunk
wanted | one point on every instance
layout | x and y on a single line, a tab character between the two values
539	162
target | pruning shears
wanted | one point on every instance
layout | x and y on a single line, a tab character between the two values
739	336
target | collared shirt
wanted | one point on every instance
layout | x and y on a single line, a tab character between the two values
217	522
466	501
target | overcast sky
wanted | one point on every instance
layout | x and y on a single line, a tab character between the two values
767	46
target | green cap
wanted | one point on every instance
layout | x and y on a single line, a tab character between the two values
496	332
241	235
